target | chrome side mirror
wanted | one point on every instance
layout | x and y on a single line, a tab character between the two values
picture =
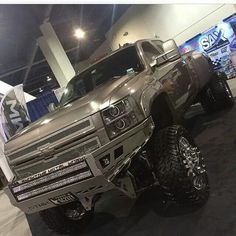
171	52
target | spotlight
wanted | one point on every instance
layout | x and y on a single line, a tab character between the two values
49	78
79	33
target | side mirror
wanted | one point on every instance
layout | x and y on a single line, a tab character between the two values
51	107
171	52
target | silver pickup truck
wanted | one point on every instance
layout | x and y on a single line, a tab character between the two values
117	128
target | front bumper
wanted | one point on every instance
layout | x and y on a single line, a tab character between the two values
95	176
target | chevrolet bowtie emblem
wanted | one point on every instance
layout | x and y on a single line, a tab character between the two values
47	151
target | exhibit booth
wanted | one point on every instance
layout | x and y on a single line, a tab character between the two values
219	44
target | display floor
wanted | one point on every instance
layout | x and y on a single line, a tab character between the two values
119	216
12	221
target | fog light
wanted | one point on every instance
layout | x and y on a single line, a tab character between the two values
105	161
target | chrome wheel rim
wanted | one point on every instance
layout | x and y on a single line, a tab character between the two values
199	182
193	162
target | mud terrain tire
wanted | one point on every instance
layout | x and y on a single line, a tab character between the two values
181	180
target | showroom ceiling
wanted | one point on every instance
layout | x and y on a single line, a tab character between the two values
21	61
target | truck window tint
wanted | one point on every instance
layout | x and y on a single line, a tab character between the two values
150	52
158	45
112	67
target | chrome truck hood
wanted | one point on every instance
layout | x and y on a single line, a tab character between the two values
67	115
78	118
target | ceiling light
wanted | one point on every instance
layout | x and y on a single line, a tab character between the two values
40	90
79	33
66	91
49	78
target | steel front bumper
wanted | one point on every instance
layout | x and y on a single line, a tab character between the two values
82	177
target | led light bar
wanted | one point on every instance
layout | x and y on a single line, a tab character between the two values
48	171
55	185
49	177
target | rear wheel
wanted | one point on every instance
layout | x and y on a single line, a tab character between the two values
68	218
217	95
179	166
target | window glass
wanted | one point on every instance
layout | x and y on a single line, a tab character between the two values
123	62
150	52
158	45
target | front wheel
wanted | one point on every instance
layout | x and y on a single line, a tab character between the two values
179	166
66	219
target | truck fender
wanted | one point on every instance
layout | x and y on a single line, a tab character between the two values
148	96
202	68
155	101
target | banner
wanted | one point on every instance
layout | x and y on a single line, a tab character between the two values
219	43
14	96
14	115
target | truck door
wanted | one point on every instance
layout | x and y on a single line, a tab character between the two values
173	76
177	74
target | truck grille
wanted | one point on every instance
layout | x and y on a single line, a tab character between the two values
79	128
72	142
64	153
56	177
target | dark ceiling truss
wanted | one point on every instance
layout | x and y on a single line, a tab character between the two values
35	46
31	65
21	60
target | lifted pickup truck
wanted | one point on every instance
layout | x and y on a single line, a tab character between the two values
117	128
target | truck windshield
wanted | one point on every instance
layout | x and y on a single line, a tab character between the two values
115	66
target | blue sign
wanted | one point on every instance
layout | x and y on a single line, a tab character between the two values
219	43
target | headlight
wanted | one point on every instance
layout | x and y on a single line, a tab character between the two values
121	116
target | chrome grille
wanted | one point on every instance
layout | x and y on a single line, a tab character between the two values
77	150
31	150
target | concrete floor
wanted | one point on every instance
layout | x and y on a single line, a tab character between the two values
12	221
116	215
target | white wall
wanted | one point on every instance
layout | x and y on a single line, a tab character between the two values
211	16
131	21
180	22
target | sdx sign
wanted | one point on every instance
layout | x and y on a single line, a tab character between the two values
213	40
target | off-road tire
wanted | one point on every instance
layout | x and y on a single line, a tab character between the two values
57	221
170	169
3	180
217	95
